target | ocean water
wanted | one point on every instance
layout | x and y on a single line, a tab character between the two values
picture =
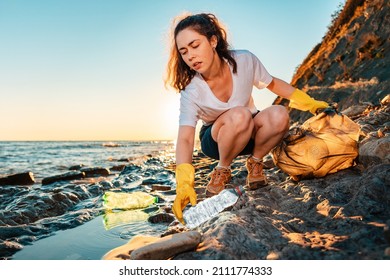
66	220
46	158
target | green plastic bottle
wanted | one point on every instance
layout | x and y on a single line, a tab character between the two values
134	200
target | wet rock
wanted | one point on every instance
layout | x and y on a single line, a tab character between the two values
15	231
151	209
76	167
132	178
26	178
152	181
95	171
161	218
117	183
7	247
63	177
119	167
131	168
154	161
106	185
161	188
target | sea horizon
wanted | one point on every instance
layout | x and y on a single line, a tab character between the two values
155	140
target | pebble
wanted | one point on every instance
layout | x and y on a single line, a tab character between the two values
272	256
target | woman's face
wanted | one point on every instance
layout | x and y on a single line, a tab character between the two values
196	50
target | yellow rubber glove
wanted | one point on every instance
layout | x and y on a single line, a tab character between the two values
185	193
302	101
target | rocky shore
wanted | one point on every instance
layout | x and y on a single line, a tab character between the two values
345	215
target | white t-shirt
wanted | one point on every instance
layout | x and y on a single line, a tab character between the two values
197	101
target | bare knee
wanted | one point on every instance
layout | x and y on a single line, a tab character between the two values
279	118
240	118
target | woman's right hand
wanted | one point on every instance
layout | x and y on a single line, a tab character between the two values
185	193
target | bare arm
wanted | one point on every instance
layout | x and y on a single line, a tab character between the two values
281	88
185	144
298	99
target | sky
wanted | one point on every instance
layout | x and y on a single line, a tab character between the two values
93	69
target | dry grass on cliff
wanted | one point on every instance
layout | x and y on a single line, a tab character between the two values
338	28
361	83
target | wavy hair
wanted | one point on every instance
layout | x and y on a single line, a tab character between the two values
179	74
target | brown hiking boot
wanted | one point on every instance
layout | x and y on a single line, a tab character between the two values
256	177
219	178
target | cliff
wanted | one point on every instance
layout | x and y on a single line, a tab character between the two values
350	65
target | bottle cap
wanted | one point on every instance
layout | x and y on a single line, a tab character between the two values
240	190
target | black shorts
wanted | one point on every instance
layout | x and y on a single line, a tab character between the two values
210	147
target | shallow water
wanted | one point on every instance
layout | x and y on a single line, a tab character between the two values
90	241
67	220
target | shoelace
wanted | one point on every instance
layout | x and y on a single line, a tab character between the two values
218	175
256	167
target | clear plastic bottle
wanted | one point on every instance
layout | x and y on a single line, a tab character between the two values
134	200
210	207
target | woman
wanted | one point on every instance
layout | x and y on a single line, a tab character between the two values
216	85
